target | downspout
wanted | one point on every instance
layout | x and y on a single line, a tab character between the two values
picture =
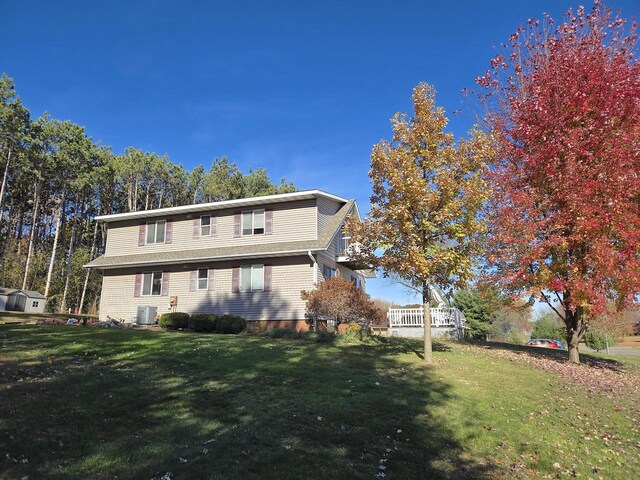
315	268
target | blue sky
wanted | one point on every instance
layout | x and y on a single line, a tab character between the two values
304	89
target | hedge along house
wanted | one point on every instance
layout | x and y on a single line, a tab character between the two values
249	257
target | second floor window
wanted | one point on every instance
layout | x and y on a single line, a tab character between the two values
205	225
152	283
155	231
253	222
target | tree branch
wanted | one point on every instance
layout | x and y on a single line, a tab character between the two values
548	302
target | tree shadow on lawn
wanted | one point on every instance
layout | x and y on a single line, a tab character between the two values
554	354
103	403
401	345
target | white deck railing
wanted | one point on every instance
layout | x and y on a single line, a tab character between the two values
413	317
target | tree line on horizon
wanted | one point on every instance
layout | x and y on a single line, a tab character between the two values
56	179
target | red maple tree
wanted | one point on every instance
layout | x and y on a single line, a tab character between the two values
564	103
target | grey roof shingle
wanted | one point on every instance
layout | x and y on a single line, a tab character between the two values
7	291
28	293
33	294
230	253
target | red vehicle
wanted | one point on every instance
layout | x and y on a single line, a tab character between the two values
545	343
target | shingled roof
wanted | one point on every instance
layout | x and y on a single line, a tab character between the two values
230	253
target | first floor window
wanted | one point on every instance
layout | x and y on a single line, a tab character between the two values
146	315
152	283
356	281
253	222
251	278
34	304
155	231
203	278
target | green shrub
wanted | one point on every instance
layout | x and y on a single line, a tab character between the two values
353	333
174	320
230	324
595	340
282	332
321	336
203	322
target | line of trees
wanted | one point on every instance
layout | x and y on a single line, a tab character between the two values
56	179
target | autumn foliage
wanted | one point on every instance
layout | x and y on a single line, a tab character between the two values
428	191
564	103
339	299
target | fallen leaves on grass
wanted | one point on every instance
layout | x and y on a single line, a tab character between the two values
596	376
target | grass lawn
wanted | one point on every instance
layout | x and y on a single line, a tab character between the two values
79	403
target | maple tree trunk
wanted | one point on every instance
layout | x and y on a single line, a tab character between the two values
426	317
576	329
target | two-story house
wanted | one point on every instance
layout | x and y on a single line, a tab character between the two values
249	257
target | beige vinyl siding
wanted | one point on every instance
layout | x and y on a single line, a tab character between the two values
326	209
291	221
289	275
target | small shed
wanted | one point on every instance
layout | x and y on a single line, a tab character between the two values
7	298
28	301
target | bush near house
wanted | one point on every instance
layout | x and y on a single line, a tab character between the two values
230	324
174	320
203	322
283	332
341	300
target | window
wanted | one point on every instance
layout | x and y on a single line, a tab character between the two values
329	272
152	283
203	278
356	281
253	222
35	304
146	315
251	278
205	225
155	231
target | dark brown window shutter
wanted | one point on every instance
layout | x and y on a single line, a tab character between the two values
237	224
268	221
165	284
141	233
193	281
267	278
196	227
235	279
137	288
168	233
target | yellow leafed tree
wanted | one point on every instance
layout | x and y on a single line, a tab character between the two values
428	192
